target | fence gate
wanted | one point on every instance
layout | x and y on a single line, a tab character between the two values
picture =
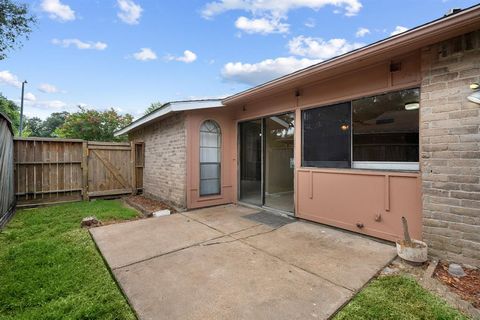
51	170
111	168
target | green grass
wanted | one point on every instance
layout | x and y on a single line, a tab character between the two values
50	268
397	297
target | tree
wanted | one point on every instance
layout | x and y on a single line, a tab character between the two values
11	110
154	106
35	124
15	23
54	121
89	124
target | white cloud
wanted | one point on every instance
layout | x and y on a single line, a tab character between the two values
30	97
6	77
398	30
48	88
277	7
256	73
145	54
362	32
311	51
57	10
261	25
130	11
317	48
188	57
52	104
82	45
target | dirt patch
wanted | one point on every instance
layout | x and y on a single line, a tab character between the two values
467	287
147	205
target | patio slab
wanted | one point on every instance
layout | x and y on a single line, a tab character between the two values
125	243
215	263
228	280
227	219
345	258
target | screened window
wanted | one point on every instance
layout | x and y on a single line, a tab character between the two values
378	132
210	158
326	136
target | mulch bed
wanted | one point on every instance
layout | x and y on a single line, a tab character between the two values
147	205
467	287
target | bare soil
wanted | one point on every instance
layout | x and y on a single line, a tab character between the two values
467	287
147	205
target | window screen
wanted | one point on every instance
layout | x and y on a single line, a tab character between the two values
210	158
385	127
326	136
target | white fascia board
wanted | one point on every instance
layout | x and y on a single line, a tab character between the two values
152	116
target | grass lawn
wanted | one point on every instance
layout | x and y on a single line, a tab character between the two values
397	297
50	268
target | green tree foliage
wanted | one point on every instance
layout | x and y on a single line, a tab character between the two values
46	128
154	106
15	23
91	125
35	124
11	110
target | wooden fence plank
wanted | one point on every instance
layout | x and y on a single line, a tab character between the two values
116	173
49	170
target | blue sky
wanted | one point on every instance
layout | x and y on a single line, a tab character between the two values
128	53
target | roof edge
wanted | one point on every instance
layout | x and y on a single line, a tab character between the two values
163	110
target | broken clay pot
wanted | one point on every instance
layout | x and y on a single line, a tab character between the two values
415	251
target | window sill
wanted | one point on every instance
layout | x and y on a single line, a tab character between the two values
372	172
210	197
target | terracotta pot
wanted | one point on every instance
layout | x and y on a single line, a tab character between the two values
418	253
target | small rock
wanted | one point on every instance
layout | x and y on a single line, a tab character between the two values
161	213
388	271
456	270
89	222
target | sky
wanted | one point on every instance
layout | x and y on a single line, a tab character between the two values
126	54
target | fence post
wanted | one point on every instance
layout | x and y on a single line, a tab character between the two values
85	171
133	167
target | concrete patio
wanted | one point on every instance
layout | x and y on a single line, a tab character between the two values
231	262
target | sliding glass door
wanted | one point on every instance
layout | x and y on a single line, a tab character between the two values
279	162
266	162
251	162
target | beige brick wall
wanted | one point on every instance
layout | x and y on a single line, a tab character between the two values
164	175
450	149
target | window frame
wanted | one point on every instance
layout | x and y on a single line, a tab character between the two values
400	166
219	163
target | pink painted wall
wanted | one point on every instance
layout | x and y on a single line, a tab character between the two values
228	165
340	198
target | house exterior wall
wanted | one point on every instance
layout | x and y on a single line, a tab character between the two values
227	125
165	169
362	194
450	149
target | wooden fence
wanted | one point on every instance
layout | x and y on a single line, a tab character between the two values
7	197
51	171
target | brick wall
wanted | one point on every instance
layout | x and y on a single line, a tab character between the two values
164	175
450	149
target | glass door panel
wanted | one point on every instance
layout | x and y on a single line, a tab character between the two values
251	162
279	162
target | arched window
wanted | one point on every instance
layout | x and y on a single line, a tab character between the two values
210	158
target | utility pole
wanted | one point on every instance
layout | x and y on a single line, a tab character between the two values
20	129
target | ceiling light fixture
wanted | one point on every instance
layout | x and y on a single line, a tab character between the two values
475	96
412	106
